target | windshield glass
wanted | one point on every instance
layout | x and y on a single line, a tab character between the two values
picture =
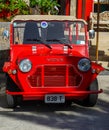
49	32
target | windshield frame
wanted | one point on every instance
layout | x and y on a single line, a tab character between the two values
76	21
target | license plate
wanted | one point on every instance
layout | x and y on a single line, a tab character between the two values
54	98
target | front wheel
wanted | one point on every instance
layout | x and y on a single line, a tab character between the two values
91	99
11	101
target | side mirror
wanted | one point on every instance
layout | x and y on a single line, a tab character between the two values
91	34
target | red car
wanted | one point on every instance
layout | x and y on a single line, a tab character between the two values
49	61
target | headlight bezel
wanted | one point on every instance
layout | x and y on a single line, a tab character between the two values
84	64
25	65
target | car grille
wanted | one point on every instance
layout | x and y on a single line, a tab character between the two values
54	76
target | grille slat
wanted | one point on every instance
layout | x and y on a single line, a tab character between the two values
54	81
55	76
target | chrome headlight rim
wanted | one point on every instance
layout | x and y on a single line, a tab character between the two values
25	65
84	64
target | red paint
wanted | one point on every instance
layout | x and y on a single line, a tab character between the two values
79	9
53	71
84	7
67	7
89	8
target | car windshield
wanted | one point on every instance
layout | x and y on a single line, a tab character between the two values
49	32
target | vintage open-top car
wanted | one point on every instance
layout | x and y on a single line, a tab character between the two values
49	61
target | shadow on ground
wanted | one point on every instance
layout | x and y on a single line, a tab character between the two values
72	117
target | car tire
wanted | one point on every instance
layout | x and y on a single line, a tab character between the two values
91	99
12	101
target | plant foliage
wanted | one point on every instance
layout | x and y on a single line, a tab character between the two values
46	5
13	7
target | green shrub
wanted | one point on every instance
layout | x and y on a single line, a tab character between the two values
11	8
46	6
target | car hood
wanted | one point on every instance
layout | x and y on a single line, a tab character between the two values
41	50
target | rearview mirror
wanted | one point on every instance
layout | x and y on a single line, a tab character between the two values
91	34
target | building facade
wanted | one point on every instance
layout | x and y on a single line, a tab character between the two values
82	8
77	8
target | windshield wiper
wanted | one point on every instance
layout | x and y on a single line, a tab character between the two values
44	43
41	41
61	41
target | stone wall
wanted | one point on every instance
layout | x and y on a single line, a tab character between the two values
4	44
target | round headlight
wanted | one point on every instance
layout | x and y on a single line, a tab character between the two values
25	65
84	64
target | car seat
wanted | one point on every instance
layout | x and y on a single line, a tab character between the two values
55	31
31	33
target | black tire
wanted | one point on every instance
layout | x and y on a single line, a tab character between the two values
12	101
91	100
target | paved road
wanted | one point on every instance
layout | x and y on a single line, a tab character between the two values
31	116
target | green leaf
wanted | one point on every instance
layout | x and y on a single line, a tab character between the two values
45	5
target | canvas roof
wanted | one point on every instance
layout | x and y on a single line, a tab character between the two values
45	17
